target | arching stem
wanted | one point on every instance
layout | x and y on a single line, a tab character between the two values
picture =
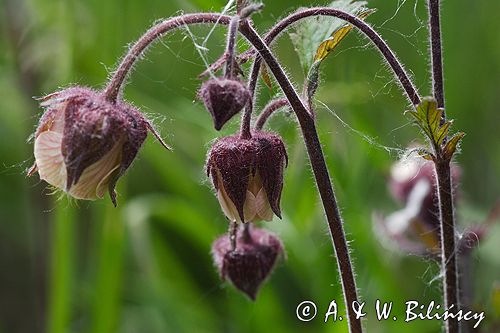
269	109
384	49
321	174
118	80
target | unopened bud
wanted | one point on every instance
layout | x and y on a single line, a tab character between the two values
251	263
223	98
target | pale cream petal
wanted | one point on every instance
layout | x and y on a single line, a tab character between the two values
49	159
262	206
254	183
249	211
227	205
95	179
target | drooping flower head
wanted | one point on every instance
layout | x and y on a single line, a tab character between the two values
251	263
84	143
415	227
223	98
247	175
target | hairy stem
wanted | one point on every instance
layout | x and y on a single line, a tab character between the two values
448	247
231	42
245	132
362	26
321	174
443	174
118	80
436	53
233	234
398	69
246	118
269	109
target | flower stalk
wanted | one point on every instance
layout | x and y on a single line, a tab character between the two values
269	109
115	86
436	53
443	175
321	174
231	43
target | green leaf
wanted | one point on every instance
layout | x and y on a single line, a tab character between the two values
428	117
329	44
442	132
324	49
451	145
307	35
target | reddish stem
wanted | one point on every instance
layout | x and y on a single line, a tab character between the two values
115	86
321	174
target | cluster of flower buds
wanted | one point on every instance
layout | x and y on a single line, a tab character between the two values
85	143
247	174
415	228
249	265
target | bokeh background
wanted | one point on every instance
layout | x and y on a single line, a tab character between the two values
145	266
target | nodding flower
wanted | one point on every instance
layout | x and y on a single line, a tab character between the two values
247	175
84	143
251	262
223	98
415	227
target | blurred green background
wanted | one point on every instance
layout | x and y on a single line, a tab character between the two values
146	266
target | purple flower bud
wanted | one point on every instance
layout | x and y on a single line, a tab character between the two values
223	98
84	143
248	175
249	265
